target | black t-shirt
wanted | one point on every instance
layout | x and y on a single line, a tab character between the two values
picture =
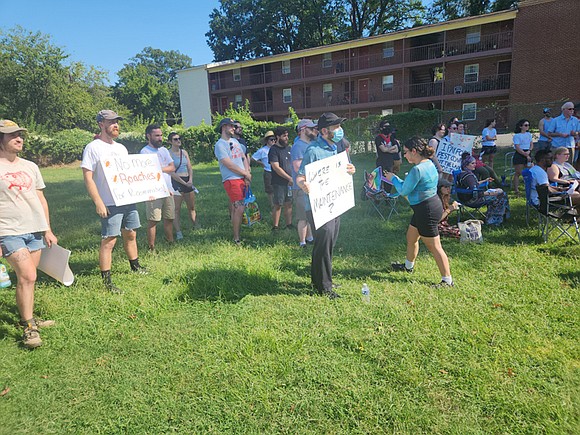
282	156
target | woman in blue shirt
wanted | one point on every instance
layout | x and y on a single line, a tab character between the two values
420	188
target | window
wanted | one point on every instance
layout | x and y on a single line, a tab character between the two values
386	112
286	67
388	49
287	95
238	100
327	90
237	75
469	112
471	73
327	60
473	35
387	83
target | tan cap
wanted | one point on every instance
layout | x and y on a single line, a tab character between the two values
7	126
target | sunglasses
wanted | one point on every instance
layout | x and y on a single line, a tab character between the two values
452	128
176	138
525	125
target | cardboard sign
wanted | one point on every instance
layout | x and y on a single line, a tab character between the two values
449	151
331	188
54	262
134	178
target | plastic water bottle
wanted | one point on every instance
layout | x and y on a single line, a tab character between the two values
366	294
4	277
289	191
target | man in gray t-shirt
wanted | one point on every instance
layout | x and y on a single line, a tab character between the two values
235	171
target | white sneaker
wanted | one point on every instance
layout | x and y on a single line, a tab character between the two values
179	235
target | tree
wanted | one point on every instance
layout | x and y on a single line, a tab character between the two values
147	84
39	88
246	29
452	9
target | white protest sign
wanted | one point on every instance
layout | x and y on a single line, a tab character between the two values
449	151
331	188
134	178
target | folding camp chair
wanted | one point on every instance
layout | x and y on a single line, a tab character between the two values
555	211
474	212
378	198
558	214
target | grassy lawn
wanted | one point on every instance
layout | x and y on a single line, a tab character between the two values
227	339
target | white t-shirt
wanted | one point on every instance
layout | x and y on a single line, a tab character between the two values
491	132
164	159
539	177
524	140
21	211
92	155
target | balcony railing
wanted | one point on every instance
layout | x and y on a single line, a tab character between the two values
484	84
364	62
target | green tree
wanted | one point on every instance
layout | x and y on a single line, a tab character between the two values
246	29
38	88
147	84
452	9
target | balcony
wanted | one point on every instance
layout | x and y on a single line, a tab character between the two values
367	63
497	82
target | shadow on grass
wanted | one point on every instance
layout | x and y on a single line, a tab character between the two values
231	285
573	278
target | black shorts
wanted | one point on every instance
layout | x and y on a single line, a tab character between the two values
426	216
180	187
518	159
281	194
268	182
488	150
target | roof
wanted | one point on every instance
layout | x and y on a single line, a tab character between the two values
378	39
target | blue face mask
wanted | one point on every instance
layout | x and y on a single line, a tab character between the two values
338	135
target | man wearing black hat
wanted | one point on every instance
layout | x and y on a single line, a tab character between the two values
115	220
235	171
324	237
545	141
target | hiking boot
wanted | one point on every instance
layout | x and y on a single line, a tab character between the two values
443	284
400	267
31	337
43	323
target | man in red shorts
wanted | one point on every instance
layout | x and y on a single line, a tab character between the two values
235	170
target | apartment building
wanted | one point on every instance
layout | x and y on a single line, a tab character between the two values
462	65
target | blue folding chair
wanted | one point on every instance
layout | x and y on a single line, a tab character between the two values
379	198
473	211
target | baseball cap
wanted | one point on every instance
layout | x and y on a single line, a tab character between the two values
547	110
108	115
7	126
328	118
305	123
225	121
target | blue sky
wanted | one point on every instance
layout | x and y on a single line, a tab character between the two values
106	34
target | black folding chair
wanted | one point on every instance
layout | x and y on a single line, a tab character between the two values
474	212
379	198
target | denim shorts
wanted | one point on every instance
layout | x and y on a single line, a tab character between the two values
124	216
31	241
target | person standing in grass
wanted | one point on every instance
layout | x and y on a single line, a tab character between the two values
307	132
235	172
261	159
182	182
523	145
161	208
488	138
115	221
24	225
420	188
281	163
324	237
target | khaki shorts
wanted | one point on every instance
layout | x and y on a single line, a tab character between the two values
160	208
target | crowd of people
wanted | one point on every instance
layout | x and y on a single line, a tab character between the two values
25	220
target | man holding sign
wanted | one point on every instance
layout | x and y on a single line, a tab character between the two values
325	235
115	220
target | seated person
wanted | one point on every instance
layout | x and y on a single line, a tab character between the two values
444	193
562	172
496	200
539	173
483	171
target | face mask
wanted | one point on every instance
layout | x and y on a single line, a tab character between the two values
338	135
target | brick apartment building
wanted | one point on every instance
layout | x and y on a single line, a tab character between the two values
472	66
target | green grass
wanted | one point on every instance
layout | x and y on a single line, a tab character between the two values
226	339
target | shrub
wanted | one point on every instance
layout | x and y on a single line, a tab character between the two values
66	146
